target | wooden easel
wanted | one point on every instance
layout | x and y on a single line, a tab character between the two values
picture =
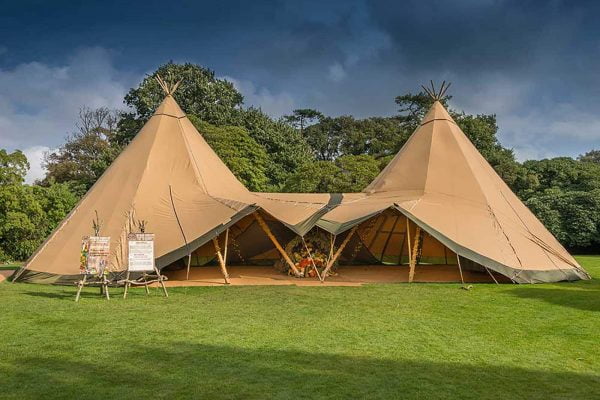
145	280
147	262
94	262
102	282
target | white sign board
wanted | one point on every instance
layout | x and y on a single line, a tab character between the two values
141	252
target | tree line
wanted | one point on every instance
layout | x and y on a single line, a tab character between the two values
305	151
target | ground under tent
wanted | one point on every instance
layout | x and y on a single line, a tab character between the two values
387	247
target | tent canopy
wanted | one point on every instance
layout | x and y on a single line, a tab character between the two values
170	177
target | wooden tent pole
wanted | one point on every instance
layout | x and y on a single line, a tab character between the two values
226	246
278	246
338	252
415	251
187	275
460	269
492	275
311	259
221	260
408	240
331	243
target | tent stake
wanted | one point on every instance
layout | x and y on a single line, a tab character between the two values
281	250
221	260
338	252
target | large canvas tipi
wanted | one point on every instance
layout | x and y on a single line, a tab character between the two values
438	198
441	183
168	176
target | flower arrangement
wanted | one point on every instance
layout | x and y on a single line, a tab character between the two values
309	255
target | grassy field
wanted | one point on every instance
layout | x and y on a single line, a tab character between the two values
426	341
10	266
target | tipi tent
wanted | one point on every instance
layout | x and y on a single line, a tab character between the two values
438	200
443	185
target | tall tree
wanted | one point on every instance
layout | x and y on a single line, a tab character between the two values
13	167
301	117
200	93
344	175
217	102
590	156
245	158
87	152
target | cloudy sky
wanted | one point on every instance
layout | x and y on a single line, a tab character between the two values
536	64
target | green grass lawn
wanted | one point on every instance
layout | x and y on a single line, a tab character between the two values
425	341
10	266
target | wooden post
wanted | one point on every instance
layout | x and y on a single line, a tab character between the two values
126	285
312	259
492	275
161	281
338	252
187	275
221	260
408	240
460	269
146	283
413	256
267	230
105	286
226	243
80	285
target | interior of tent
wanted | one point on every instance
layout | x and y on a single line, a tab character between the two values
378	249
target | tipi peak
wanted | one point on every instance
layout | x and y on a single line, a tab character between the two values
170	108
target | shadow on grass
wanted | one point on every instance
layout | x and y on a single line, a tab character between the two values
582	295
588	300
58	295
183	370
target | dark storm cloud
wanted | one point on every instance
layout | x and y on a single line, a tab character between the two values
534	63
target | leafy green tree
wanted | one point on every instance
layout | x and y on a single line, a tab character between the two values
57	200
356	172
286	148
21	216
13	167
218	103
564	173
315	177
200	93
325	138
590	156
412	108
28	214
572	216
86	154
376	136
346	174
245	158
301	117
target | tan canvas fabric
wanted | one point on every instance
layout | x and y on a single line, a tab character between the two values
168	176
440	181
171	177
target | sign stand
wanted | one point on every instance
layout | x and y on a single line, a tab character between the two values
95	251
141	259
